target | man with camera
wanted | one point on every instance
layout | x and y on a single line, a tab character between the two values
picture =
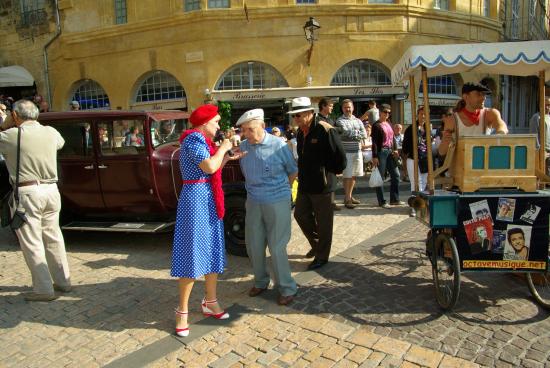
36	212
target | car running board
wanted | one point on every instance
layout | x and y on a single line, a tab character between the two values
126	227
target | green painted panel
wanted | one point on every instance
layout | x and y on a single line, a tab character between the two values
443	212
478	158
520	157
499	157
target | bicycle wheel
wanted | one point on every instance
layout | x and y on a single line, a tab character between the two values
539	286
446	271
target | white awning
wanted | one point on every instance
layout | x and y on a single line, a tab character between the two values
525	58
15	76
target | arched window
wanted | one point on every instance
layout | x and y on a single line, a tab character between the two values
159	86
441	85
251	75
90	95
359	73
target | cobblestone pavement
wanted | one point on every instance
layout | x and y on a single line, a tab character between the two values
372	305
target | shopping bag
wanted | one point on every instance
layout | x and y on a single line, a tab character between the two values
375	178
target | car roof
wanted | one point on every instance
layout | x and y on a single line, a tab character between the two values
156	115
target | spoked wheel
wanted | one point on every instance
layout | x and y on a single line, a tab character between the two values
539	285
446	271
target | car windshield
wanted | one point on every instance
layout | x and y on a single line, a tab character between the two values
166	131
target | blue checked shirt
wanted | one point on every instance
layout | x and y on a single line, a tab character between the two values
266	168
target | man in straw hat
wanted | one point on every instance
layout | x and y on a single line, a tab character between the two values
320	157
269	170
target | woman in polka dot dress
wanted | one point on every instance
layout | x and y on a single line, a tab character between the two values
199	246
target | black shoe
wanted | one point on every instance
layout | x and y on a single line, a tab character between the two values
317	263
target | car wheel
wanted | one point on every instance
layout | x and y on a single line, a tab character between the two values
234	222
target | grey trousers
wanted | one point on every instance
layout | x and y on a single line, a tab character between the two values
41	239
269	224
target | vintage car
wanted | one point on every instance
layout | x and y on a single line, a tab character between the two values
119	171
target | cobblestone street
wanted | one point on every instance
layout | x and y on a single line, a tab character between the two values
372	305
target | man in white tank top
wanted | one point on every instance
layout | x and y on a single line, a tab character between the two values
471	118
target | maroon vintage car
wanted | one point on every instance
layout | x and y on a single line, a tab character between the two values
119	171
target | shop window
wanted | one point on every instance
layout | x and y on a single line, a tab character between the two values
251	75
441	85
359	73
159	86
514	34
33	12
216	4
90	95
441	4
120	12
305	1
191	5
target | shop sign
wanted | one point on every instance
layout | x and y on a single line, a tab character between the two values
160	105
279	93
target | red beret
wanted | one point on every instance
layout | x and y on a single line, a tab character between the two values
203	114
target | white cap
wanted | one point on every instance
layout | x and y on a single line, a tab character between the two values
256	114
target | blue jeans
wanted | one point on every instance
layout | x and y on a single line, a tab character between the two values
386	160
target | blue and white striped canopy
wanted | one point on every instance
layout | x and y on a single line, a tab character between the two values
506	58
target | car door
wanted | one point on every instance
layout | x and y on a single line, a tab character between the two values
77	171
124	167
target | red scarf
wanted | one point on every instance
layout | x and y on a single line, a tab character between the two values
216	181
472	116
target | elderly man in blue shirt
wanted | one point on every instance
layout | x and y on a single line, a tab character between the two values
269	170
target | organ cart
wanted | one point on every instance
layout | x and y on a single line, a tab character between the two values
491	210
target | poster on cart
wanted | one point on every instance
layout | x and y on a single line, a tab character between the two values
503	232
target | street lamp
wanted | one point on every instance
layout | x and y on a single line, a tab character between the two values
309	30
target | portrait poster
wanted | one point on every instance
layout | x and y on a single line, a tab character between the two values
518	240
479	233
480	209
506	209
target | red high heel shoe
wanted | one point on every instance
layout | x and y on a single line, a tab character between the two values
182	332
209	313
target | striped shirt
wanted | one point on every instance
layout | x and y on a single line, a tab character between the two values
266	168
352	134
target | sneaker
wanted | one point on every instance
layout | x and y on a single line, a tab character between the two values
385	205
412	212
397	203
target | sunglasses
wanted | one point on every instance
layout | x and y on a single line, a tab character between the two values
387	112
296	116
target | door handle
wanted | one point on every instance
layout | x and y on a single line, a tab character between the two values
89	167
102	166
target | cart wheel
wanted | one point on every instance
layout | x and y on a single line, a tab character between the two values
539	286
446	271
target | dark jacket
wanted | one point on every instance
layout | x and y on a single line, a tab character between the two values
320	157
378	138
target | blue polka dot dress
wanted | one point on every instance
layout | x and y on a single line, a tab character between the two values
199	246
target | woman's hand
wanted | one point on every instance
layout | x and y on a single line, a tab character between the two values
226	145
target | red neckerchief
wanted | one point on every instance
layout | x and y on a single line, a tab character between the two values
216	182
472	116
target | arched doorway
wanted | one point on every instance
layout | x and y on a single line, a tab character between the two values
90	95
158	90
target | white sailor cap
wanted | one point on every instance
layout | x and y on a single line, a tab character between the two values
256	114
